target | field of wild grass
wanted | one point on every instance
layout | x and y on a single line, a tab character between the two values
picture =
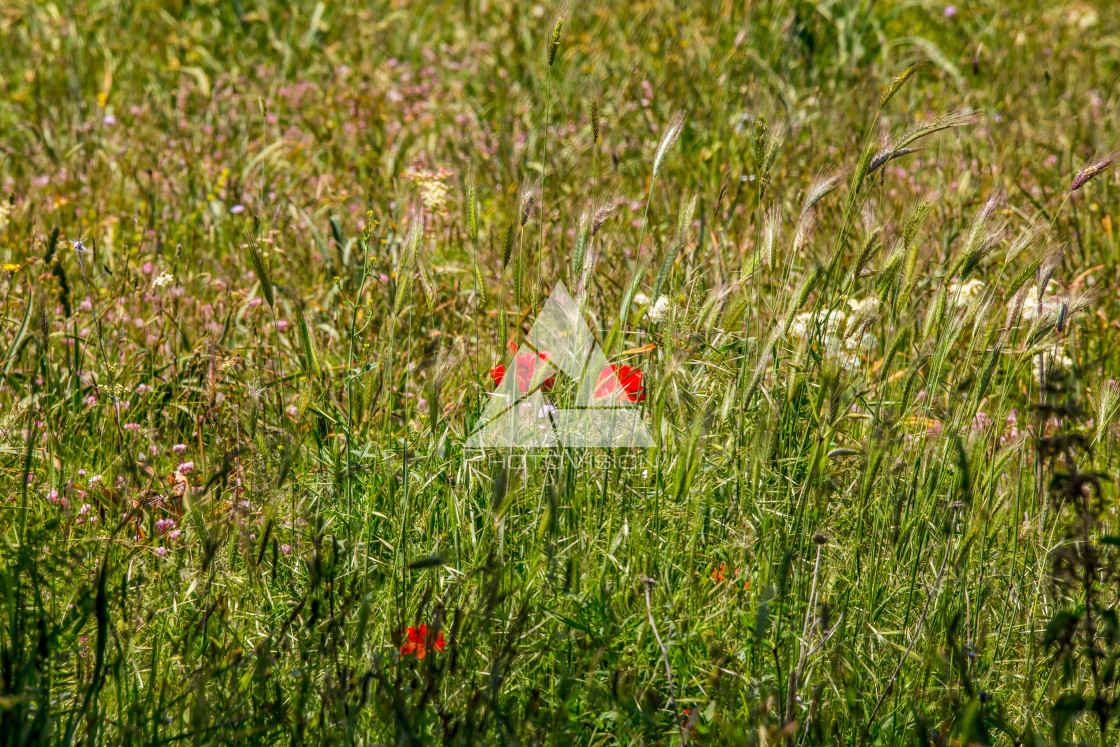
264	264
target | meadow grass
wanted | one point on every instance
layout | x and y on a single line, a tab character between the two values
261	258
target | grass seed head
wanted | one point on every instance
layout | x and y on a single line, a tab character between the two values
596	125
472	211
261	268
1092	170
602	212
557	30
507	243
771	227
530	191
899	81
668	138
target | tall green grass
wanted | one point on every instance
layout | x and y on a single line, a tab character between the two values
841	241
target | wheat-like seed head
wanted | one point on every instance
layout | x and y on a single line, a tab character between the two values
918	216
668	138
507	243
260	267
479	283
684	220
1046	271
1091	171
771	227
948	120
819	188
892	265
983	237
309	351
557	30
593	104
868	250
472	211
582	236
899	81
410	251
1023	241
760	142
530	191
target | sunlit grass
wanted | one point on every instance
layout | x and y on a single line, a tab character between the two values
259	262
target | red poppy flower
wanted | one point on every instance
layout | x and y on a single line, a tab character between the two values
719	575
526	366
629	377
418	642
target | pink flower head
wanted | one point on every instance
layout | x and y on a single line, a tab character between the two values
178	448
186	468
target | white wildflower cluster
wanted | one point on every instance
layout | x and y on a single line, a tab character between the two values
165	279
655	312
965	294
844	332
433	187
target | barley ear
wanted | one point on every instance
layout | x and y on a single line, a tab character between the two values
808	285
663	271
530	191
407	266
479	283
593	104
261	269
507	244
557	30
867	251
518	272
898	82
472	211
771	227
862	169
672	132
1092	170
426	283
310	355
684	220
580	244
760	143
